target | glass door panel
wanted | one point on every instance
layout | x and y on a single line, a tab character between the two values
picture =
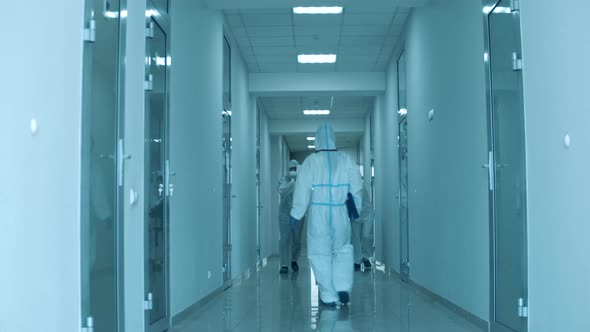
509	171
157	172
99	210
403	167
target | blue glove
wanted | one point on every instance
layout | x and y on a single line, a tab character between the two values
293	223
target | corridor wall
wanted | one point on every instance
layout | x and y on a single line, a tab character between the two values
556	104
196	153
448	189
448	196
40	200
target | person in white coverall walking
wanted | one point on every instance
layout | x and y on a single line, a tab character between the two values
324	180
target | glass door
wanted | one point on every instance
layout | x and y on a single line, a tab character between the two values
101	174
258	193
227	181
403	168
403	200
227	168
506	168
159	188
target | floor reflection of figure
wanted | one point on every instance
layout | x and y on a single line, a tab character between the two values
334	319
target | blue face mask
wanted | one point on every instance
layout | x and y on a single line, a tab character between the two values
293	174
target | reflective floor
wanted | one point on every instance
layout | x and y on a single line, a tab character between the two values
267	301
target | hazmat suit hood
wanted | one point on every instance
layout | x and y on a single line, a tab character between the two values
293	163
325	139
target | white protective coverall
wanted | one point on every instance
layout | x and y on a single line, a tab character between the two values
323	182
362	230
289	236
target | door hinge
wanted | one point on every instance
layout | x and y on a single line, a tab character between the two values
148	85
89	325
516	62
150	30
149	303
514	5
523	310
90	30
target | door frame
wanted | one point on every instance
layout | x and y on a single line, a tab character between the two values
493	325
162	20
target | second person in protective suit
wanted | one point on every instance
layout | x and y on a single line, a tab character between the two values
289	233
362	234
324	180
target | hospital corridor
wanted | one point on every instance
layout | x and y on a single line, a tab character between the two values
295	165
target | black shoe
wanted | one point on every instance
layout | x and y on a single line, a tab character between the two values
328	305
367	263
357	267
295	266
344	297
284	270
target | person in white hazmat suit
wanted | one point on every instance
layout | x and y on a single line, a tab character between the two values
289	234
362	234
324	180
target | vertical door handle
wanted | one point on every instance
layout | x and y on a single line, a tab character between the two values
490	167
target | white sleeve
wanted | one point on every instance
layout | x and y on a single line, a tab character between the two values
302	195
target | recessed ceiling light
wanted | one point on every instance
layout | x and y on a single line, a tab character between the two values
316	58
311	146
311	138
317	10
316	112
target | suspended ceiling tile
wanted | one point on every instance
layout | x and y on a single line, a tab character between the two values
356	41
400	18
368	19
266	67
285	51
263	58
243	41
235	21
310	31
359	51
239	32
309	45
359	10
364	30
271	41
231	11
316	68
257	20
282	11
278	31
247	51
317	20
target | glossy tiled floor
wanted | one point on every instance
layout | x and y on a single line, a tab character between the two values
267	301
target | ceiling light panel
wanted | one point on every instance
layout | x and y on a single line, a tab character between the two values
316	58
317	10
316	112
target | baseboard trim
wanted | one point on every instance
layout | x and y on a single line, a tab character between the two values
480	323
226	285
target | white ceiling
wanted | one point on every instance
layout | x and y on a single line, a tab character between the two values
270	39
291	108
